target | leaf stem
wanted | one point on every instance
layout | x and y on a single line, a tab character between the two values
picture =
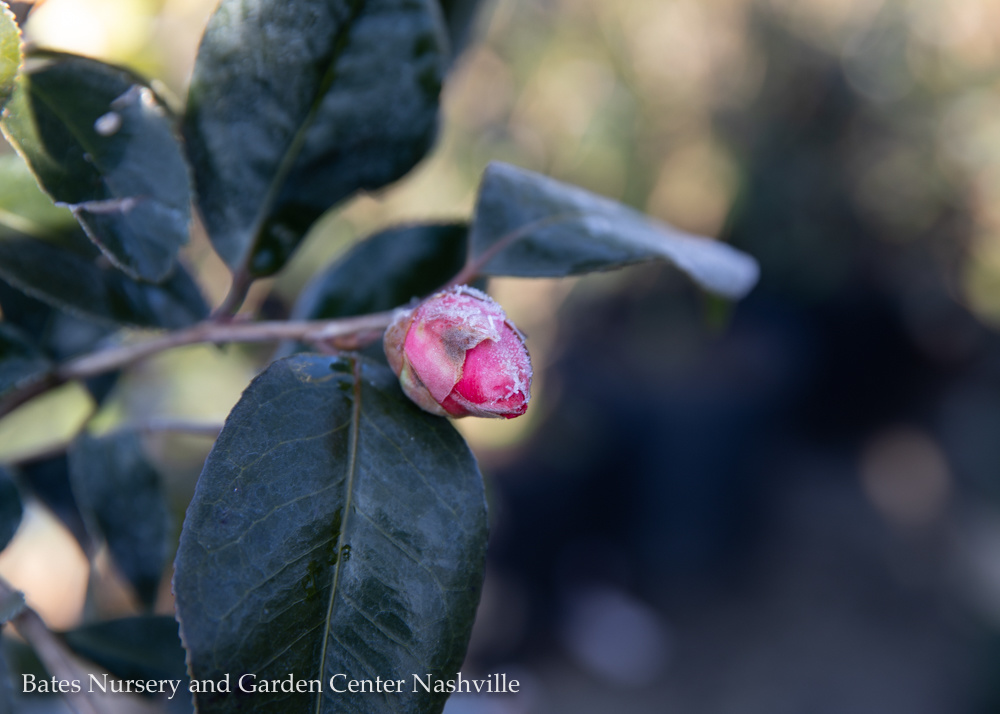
344	334
157	425
242	280
153	425
54	655
474	264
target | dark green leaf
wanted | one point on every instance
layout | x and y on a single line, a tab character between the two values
335	528
100	142
460	16
119	495
58	334
133	648
48	480
296	104
67	335
10	53
10	508
21	362
539	227
46	255
101	386
12	604
385	271
80	285
28	314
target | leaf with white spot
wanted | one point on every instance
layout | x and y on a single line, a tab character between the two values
46	255
99	141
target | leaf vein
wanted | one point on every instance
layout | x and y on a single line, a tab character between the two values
404	550
243	595
349	489
273	658
421	474
262	519
381	628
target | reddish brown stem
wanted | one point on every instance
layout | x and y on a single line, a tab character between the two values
345	333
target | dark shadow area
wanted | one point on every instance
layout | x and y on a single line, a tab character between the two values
797	512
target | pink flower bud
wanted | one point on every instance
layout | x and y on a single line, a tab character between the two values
457	354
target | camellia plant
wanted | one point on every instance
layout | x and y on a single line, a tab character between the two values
338	529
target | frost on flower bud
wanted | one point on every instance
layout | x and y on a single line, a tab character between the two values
457	354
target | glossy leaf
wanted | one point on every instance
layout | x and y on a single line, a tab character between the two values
44	254
336	528
21	362
58	334
26	313
10	53
10	508
384	271
145	647
118	493
99	141
530	225
346	100
79	284
61	335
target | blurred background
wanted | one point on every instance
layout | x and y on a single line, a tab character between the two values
790	505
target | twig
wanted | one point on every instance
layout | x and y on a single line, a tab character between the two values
474	264
237	295
153	425
54	655
344	333
157	425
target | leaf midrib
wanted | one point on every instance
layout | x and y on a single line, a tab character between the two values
88	147
294	149
352	461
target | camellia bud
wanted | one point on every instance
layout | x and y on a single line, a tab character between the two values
457	354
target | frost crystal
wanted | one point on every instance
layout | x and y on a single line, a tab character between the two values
457	354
